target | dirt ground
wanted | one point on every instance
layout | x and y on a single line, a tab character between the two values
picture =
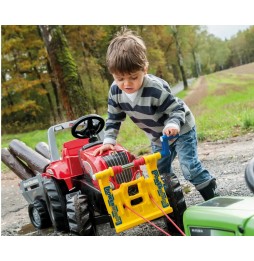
226	160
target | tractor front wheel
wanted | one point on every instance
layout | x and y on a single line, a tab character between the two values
56	205
79	216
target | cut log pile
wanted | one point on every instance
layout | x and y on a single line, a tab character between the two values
24	161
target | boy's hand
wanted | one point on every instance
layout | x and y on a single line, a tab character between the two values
103	148
171	131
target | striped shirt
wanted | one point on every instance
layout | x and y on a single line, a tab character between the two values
152	108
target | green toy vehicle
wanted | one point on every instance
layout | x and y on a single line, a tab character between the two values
223	216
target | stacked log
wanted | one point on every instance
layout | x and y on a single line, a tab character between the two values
23	160
16	165
43	149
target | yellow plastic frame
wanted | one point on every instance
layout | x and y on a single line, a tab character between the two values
115	200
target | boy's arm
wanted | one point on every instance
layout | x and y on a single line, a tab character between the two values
175	109
115	117
170	131
113	123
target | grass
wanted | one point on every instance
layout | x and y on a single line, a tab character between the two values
133	139
227	111
182	94
32	138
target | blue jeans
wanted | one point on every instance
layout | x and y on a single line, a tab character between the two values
186	149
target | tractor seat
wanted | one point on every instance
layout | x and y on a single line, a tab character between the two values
70	153
72	147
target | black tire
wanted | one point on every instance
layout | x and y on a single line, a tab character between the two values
249	175
79	216
56	205
177	202
39	215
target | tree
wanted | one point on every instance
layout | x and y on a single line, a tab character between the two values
158	42
24	84
175	32
249	36
72	93
195	37
88	46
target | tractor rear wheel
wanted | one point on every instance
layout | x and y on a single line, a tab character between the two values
79	216
39	215
56	205
177	202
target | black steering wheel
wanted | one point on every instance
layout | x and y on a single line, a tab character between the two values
249	175
93	124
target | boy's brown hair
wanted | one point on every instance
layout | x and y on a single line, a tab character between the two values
126	53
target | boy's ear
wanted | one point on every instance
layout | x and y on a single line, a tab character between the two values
146	69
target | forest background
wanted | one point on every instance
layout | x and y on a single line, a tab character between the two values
52	74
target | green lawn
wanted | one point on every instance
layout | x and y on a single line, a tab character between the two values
228	109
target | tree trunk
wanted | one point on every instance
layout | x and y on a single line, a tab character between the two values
72	92
179	56
94	104
55	91
8	97
196	63
51	107
175	72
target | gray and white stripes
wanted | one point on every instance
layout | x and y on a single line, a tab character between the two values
153	108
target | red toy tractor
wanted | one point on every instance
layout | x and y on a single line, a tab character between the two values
78	190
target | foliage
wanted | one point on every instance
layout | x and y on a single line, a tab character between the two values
30	92
23	76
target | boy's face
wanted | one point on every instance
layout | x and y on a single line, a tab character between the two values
130	83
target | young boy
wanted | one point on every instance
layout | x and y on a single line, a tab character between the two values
149	103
